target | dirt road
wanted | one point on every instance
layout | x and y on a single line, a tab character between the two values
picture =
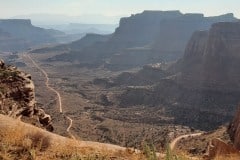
175	141
53	90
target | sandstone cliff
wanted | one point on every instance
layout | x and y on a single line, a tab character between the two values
204	82
17	97
148	37
140	29
213	57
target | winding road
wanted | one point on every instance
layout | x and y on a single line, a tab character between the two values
53	90
177	139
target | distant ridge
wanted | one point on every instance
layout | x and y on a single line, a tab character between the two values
147	37
22	35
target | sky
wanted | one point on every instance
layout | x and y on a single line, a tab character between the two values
115	8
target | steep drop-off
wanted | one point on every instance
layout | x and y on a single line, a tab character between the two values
204	82
17	97
233	130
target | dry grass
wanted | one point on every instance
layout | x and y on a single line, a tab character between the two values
20	141
230	157
23	141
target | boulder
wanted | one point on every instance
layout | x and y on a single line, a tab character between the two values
218	148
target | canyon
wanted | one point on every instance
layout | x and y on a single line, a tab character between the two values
161	78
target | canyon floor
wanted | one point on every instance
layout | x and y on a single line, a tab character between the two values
83	116
92	120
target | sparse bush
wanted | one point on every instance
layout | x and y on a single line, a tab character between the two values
6	74
170	155
150	152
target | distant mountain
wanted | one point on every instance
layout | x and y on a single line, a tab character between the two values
55	19
19	34
87	41
72	27
75	31
152	37
76	28
148	37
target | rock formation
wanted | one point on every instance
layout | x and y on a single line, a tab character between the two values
234	130
20	34
218	148
148	37
17	97
83	44
213	56
204	82
148	75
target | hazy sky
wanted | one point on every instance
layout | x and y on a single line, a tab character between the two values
9	8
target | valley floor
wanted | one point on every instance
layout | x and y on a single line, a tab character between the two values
128	127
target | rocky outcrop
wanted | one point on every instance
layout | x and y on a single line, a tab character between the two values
196	45
17	97
218	148
234	130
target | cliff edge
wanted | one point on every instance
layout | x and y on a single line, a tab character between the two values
17	97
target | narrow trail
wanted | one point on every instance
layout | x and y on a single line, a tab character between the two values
70	125
47	82
53	90
177	139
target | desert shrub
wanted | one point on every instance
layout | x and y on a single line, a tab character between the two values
150	152
170	155
6	74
